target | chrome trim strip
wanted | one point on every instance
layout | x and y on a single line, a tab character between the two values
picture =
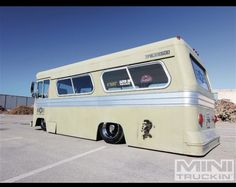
157	99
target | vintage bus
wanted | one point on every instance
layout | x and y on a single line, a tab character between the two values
156	96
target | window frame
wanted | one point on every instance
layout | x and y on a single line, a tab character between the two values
82	76
75	94
42	80
132	82
48	88
38	89
116	69
69	78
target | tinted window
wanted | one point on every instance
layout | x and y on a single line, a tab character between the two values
82	84
45	88
117	80
40	89
64	87
200	74
148	76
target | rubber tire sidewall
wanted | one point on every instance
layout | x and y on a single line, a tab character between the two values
119	138
43	125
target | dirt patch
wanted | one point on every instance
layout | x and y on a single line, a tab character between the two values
21	110
225	110
2	110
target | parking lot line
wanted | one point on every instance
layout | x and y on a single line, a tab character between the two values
223	136
8	139
39	170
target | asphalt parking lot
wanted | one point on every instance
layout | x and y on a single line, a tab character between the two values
28	154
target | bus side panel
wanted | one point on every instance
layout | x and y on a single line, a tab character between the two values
166	133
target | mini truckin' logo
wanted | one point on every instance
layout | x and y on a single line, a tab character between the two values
204	170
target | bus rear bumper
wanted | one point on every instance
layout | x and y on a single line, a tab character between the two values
203	143
202	150
210	145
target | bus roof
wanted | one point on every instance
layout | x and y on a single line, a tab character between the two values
117	59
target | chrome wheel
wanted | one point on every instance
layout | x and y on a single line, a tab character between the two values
112	133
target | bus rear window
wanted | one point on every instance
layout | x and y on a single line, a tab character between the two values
200	74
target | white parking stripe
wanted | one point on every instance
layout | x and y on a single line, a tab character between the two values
33	172
222	136
8	139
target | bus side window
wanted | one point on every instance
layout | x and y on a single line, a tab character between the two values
148	76
64	87
117	80
82	84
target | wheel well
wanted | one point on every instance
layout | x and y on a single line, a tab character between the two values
100	125
38	121
98	133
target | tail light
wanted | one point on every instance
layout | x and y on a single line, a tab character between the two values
200	119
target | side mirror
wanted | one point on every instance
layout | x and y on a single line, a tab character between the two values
34	95
32	89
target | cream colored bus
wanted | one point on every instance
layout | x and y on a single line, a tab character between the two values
155	96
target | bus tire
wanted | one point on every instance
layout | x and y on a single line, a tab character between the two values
112	133
43	125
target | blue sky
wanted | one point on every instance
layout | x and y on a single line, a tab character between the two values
34	39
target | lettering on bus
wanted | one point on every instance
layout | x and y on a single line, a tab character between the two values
117	80
40	110
158	54
125	82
